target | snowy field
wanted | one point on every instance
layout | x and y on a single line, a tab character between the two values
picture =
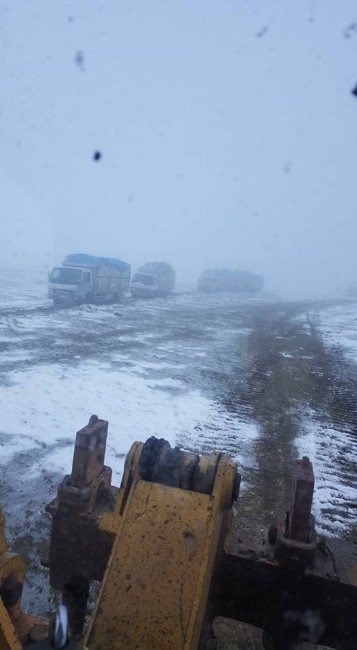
335	494
129	364
49	403
338	327
20	289
333	449
174	368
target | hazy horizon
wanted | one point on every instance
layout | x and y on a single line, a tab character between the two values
227	132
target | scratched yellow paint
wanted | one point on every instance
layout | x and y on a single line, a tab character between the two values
155	589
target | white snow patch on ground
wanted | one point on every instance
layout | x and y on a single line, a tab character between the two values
335	496
165	383
120	357
162	366
338	326
48	404
15	355
20	289
16	444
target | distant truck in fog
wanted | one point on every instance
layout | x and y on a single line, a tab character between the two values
85	278
217	280
153	279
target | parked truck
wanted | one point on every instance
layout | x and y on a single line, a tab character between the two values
153	279
218	280
85	278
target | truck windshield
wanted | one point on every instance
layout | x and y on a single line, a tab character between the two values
144	279
64	275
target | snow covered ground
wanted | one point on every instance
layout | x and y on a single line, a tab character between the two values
136	365
332	448
335	493
22	289
174	368
47	404
338	327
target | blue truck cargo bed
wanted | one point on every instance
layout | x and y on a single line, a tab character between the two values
82	259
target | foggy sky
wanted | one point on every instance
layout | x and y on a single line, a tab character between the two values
227	130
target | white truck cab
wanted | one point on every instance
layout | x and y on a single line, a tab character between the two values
153	279
70	284
85	278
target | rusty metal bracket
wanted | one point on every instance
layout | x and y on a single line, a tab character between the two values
296	540
286	581
79	549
